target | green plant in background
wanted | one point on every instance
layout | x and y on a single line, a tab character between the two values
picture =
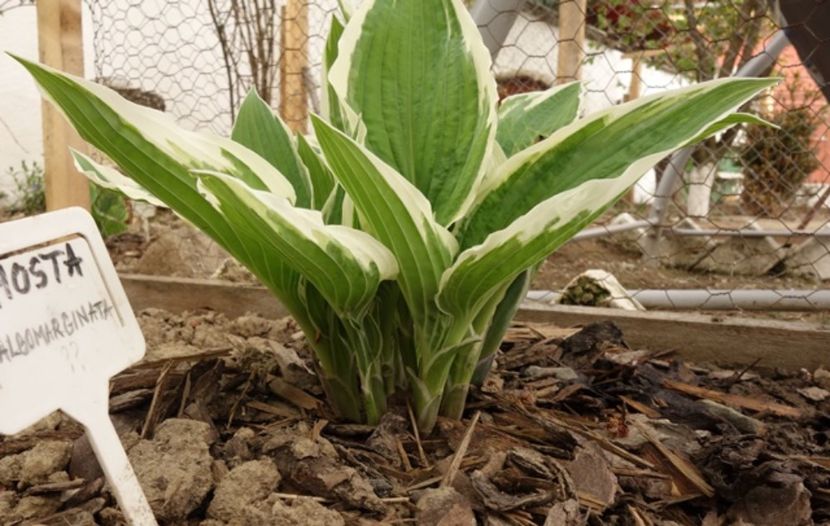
402	233
778	159
109	209
28	188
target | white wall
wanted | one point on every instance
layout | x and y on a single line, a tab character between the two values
20	105
168	47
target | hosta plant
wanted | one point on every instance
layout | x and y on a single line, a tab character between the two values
402	232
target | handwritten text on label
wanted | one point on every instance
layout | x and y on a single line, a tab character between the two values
39	272
59	327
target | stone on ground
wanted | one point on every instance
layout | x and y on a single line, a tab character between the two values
174	468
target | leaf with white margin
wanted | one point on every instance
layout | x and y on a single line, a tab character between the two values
331	103
396	213
732	120
262	131
345	265
100	115
322	181
480	270
111	178
151	150
346	9
603	146
426	96
526	118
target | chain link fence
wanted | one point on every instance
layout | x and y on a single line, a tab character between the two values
197	60
737	222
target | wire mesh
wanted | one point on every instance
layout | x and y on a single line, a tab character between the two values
197	60
741	197
750	208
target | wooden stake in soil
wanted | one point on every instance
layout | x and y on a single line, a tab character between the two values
421	454
60	45
449	477
293	65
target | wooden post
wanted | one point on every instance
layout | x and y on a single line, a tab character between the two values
634	90
635	87
293	65
60	43
571	40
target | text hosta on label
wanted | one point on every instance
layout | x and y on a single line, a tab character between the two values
53	307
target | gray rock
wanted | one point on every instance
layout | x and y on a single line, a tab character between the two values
815	394
29	507
742	423
245	485
444	507
43	460
304	511
10	469
175	467
565	374
822	377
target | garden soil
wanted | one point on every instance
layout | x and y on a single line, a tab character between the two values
226	424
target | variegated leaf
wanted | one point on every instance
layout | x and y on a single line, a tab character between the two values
322	181
396	213
604	145
111	178
550	191
527	118
151	150
260	130
345	265
426	96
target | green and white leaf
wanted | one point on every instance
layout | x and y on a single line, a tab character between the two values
322	181
346	265
527	118
260	130
425	96
111	178
732	120
529	222
109	114
152	151
331	104
623	134
109	209
396	213
346	9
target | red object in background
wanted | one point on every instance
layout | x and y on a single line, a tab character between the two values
807	25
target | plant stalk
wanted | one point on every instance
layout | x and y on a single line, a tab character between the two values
504	314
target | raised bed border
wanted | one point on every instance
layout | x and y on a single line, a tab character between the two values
695	337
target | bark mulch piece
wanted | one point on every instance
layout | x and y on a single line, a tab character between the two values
226	425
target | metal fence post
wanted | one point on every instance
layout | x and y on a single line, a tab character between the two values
494	19
677	164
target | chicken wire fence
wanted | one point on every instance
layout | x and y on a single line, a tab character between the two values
738	221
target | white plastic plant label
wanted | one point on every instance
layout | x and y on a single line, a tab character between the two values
66	328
